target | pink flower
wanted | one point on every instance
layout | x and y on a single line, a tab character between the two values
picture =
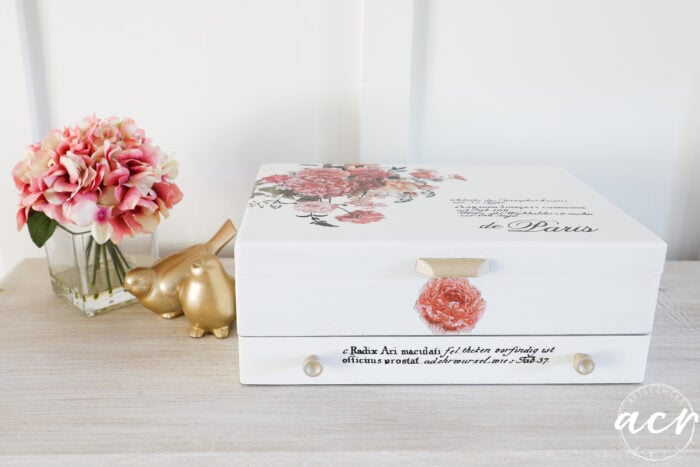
400	186
458	177
424	173
103	174
368	177
102	228
367	202
361	166
361	217
323	172
362	186
167	196
321	182
318	207
378	193
275	178
450	305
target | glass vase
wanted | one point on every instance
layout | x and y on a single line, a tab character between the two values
89	275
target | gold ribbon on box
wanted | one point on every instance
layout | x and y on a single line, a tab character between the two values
452	267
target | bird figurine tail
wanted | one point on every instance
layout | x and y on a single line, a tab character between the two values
221	238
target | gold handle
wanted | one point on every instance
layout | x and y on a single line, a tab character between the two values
312	366
583	363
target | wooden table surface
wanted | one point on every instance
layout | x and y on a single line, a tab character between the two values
130	388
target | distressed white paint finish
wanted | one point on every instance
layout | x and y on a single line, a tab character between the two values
128	387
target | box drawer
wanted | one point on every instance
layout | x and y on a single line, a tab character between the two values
443	359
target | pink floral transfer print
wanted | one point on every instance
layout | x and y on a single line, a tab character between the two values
450	305
361	217
352	193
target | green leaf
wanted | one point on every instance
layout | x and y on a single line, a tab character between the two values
303	199
276	191
323	223
41	227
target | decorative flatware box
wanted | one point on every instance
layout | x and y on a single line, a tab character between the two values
379	274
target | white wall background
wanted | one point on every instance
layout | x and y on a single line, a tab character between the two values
609	90
15	134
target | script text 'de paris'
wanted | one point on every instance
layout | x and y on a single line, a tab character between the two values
547	226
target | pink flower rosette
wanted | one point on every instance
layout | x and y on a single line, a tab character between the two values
321	182
102	174
450	305
368	177
428	174
360	217
317	207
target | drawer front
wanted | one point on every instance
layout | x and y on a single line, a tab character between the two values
443	359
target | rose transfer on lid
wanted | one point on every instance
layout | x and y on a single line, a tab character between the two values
333	193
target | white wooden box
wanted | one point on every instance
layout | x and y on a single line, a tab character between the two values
342	278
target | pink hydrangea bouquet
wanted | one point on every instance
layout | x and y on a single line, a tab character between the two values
101	175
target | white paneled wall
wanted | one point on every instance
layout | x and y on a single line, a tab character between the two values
610	90
15	134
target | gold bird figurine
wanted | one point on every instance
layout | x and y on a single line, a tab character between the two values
156	287
207	296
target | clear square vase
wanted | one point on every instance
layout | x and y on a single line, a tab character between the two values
90	275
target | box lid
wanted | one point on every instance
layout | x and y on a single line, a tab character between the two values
391	250
376	221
